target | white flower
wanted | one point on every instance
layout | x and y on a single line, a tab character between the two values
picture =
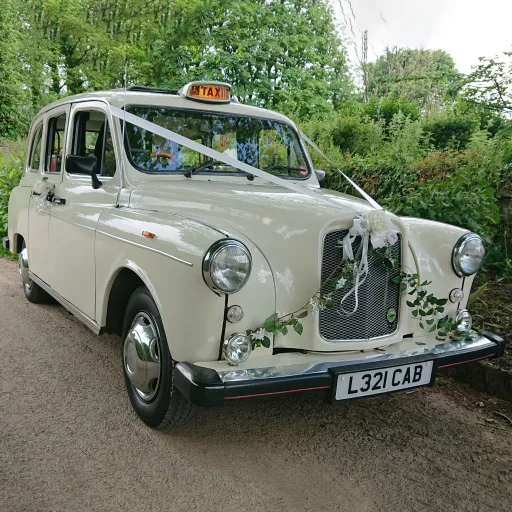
313	305
258	335
421	289
341	283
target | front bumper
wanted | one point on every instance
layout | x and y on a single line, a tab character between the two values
206	386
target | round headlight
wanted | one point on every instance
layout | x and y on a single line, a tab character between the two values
463	321
227	266
468	254
237	348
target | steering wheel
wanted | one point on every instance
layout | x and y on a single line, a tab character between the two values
162	154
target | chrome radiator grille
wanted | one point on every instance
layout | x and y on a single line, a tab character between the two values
377	295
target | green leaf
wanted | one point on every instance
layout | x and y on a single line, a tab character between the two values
432	329
284	330
421	325
304	314
269	324
266	342
440	309
299	328
441	302
430	321
411	304
415	313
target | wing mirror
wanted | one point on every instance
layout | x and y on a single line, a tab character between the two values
320	175
83	165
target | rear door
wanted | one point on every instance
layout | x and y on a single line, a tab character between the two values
73	224
49	166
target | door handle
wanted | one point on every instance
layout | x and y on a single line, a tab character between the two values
52	198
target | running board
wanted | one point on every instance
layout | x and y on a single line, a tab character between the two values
89	322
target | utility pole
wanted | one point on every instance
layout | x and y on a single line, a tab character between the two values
364	62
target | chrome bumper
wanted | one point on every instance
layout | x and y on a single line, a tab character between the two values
213	383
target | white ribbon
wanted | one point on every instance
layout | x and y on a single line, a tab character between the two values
374	226
369	198
221	157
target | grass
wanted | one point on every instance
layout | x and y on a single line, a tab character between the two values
7	254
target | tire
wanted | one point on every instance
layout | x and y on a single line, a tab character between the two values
157	402
33	292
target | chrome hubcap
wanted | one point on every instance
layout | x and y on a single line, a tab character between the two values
141	356
23	268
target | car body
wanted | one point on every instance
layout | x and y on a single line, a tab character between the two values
148	225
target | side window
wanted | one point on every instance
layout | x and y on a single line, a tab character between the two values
35	149
92	139
55	143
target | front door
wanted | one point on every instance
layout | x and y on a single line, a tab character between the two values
73	224
48	168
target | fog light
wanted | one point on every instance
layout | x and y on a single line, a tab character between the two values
463	321
456	295
237	348
234	314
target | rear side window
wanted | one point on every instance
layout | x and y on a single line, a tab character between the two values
55	143
92	139
35	149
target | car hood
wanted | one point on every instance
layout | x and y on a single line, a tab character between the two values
257	210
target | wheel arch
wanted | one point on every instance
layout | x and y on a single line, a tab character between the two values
123	282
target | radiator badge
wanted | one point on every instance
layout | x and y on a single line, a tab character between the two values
391	315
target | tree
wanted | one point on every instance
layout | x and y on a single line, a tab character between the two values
490	84
14	112
427	77
284	55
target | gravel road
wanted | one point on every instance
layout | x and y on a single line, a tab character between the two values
70	442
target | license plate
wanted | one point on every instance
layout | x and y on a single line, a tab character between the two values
384	380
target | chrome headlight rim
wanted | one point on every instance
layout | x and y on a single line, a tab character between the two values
209	257
458	251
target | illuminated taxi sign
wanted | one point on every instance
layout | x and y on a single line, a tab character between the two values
212	92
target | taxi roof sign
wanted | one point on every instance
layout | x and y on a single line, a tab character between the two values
210	92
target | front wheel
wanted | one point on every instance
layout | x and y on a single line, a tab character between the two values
148	367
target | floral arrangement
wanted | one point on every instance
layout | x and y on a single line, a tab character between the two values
378	236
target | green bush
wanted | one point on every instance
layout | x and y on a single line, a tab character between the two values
11	167
387	107
447	131
465	199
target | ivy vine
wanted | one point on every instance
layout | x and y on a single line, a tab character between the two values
426	308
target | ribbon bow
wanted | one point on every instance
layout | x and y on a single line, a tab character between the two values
375	227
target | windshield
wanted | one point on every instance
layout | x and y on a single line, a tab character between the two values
263	143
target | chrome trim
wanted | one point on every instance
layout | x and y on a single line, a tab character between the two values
457	251
141	356
214	249
88	321
23	266
145	247
351	358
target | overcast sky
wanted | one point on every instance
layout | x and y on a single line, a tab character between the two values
466	29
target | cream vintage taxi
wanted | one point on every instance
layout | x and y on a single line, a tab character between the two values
195	228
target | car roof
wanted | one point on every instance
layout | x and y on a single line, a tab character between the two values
165	98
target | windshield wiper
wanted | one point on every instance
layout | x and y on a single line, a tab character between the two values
194	170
